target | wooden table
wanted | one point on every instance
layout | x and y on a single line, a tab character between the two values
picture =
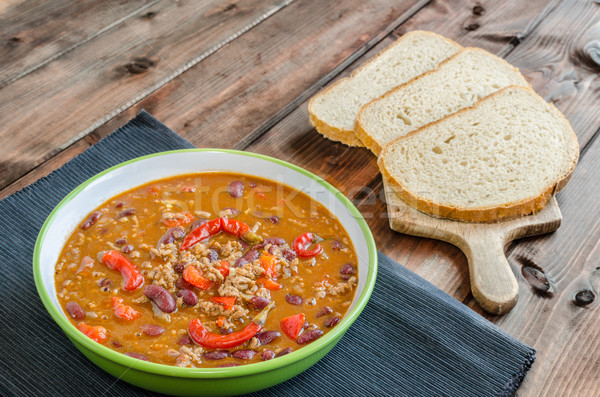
238	75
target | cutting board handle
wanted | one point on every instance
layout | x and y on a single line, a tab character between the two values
493	283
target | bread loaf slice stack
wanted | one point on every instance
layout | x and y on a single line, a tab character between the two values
333	111
458	82
502	158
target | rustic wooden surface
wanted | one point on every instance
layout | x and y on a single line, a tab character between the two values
238	74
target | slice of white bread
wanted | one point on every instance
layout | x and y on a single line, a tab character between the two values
333	111
502	158
457	83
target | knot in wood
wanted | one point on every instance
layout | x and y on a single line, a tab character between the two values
584	297
472	26
139	65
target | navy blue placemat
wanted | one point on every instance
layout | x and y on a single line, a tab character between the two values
412	339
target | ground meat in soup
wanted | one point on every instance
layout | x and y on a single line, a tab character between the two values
193	271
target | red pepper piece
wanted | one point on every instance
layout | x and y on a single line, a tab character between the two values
205	338
301	244
268	283
224	268
234	227
292	325
184	220
123	311
200	233
97	333
226	301
192	275
213	227
132	278
269	264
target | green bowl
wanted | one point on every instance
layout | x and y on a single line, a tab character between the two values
198	381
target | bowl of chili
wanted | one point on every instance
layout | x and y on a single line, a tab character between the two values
71	212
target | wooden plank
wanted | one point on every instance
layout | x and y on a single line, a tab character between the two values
51	107
36	32
254	66
497	26
278	65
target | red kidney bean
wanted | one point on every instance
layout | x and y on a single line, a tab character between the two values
233	212
245	354
184	340
216	355
288	254
273	249
93	218
120	241
258	246
259	303
285	351
309	336
236	189
348	268
116	344
172	234
225	331
293	299
161	297
213	255
180	283
227	365
268	355
332	321
120	204
274	241
197	223
179	267
127	212
244	244
188	296
251	255
239	262
138	356
336	245
267	337
75	310
152	330
127	248
274	219
324	311
105	282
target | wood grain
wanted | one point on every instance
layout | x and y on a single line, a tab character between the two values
232	74
38	31
319	44
60	102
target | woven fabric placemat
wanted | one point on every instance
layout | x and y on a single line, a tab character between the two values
412	339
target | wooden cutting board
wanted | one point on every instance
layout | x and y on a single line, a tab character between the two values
493	283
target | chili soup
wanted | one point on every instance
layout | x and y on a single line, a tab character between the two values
207	270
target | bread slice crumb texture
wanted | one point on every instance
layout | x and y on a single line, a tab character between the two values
458	82
502	158
333	111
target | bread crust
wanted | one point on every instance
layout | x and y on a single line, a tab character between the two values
349	137
359	128
515	209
